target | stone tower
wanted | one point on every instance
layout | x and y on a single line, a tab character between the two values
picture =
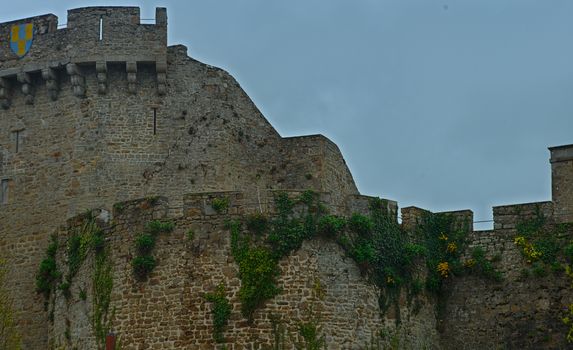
562	182
102	111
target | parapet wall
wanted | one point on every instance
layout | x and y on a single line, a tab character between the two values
315	162
348	313
518	311
506	217
94	37
92	34
522	310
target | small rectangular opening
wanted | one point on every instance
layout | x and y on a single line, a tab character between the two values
154	121
4	191
18	140
100	28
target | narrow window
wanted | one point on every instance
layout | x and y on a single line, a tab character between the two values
100	28
4	191
18	139
154	121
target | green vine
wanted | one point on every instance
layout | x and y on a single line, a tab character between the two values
144	262
220	205
544	246
310	331
480	265
376	242
258	270
278	332
10	337
102	282
48	272
258	259
88	236
383	252
445	240
221	311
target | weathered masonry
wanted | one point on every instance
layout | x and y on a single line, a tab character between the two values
102	119
103	111
562	188
94	39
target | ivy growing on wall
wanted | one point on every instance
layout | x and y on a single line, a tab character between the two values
376	242
220	205
381	249
221	311
102	285
10	337
48	272
258	253
144	262
311	330
87	239
547	247
544	246
444	239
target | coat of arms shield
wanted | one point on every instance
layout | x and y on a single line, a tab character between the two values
21	37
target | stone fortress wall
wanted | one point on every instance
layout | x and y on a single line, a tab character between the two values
86	123
521	311
103	111
188	269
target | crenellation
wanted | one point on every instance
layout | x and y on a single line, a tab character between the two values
93	36
462	219
562	181
508	216
362	204
412	217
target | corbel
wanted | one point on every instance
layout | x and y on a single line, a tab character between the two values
51	78
161	70
101	69
131	76
5	88
26	80
77	80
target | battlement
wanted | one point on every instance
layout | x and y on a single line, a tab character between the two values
34	47
562	181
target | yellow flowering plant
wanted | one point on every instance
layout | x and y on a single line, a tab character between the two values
529	250
469	263
452	247
520	241
444	269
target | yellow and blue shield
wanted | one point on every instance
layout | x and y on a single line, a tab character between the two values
21	38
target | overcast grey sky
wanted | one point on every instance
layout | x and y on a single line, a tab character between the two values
440	104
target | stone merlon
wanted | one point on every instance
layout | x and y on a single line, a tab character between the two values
93	36
562	182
